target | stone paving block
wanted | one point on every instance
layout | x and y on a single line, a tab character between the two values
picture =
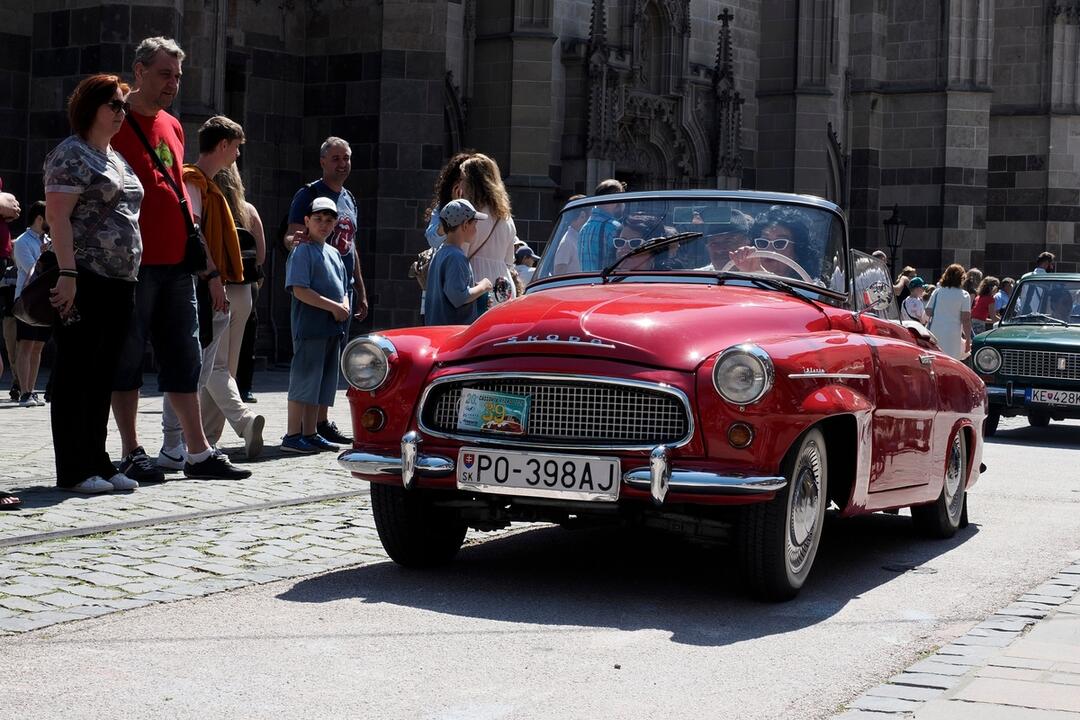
905	692
51	617
1020	693
885	704
1008	673
18	624
98	593
89	611
162	570
933	667
126	603
999	640
62	599
1020	662
1063	678
1053	600
59	571
107	579
942	682
158	596
956	710
24	590
21	604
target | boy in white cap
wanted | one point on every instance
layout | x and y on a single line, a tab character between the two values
317	279
451	295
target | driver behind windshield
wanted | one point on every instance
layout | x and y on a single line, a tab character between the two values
780	230
631	236
1061	304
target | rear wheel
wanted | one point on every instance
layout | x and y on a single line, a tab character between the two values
413	530
991	424
941	518
1038	419
778	540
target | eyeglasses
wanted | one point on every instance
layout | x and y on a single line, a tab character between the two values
632	243
118	106
767	244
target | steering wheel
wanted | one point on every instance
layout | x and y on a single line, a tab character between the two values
777	257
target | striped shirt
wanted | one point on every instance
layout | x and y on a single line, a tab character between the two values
596	247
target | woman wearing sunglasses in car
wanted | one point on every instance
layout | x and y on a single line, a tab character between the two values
92	200
779	231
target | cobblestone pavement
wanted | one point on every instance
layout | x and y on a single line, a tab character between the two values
69	556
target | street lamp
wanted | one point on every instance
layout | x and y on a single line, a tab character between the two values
894	236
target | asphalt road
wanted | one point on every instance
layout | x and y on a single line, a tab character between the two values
553	623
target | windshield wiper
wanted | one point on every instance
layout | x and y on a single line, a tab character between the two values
768	283
1041	317
650	244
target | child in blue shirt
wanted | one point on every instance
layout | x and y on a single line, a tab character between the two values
451	295
317	279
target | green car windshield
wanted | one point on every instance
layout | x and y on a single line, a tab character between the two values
1045	301
795	243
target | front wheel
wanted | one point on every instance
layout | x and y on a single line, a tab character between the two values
942	518
413	530
778	540
991	424
1038	419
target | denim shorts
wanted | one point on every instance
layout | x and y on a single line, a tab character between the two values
166	314
313	374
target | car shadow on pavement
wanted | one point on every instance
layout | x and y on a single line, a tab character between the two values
1055	435
633	581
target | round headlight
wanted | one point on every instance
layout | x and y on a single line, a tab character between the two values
987	360
366	362
743	374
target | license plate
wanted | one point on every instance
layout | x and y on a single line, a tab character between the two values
493	412
1054	397
565	477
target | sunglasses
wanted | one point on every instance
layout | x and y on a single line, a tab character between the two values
632	243
767	244
118	106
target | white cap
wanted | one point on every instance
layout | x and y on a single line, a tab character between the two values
323	204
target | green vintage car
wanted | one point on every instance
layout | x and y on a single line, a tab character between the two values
1030	362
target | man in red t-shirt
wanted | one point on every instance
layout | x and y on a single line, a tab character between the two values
165	306
9	210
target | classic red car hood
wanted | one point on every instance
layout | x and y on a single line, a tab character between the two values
675	326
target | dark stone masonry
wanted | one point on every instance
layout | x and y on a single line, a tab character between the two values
965	114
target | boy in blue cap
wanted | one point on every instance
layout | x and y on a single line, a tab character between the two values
316	277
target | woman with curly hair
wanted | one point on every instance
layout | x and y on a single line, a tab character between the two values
491	253
972	278
447	188
950	313
900	287
983	315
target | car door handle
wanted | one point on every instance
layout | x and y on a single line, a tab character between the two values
926	359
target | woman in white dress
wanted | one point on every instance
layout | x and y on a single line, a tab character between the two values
491	252
950	313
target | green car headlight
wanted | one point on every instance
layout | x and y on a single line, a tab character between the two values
987	360
366	362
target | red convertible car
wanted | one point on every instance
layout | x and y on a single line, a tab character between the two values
717	364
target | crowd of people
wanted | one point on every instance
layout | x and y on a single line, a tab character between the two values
152	251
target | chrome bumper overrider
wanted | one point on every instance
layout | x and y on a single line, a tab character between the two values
659	478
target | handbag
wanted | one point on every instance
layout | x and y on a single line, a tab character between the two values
252	271
194	252
34	304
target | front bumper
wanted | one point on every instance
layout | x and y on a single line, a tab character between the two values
1009	400
659	478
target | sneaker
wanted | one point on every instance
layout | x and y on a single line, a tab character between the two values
298	445
91	486
141	468
215	467
172	458
321	443
248	398
120	481
36	399
27	400
253	439
329	431
15	393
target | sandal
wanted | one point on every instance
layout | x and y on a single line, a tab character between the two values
9	501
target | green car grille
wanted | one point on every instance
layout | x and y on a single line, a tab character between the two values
1041	364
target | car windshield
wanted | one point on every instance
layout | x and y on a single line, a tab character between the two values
787	241
1045	301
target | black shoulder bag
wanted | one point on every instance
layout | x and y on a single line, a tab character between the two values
194	252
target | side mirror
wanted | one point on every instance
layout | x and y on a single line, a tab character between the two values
877	296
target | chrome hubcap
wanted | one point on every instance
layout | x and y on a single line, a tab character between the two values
805	507
954	478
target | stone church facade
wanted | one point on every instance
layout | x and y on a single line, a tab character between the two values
963	114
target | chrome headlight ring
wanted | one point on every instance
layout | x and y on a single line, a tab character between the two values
365	363
987	360
743	374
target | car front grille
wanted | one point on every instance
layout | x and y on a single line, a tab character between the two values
571	412
1041	364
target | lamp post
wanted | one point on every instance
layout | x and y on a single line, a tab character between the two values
894	236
